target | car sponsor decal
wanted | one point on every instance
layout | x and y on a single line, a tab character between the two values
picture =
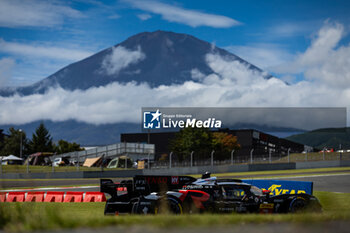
279	187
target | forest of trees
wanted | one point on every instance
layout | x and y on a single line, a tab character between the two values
41	142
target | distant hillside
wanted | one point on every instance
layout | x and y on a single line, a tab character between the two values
330	138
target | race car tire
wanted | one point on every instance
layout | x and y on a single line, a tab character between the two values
297	205
169	205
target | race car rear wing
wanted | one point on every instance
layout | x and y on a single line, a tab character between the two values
144	185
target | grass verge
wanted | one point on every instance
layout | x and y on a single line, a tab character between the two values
20	217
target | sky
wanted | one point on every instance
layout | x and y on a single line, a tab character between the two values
303	43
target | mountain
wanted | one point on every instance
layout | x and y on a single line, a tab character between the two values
163	58
329	138
156	58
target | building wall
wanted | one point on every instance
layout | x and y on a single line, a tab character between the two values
248	139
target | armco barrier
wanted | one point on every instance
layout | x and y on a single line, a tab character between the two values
73	197
15	197
94	197
52	196
35	197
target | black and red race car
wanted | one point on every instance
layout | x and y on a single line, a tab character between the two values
185	194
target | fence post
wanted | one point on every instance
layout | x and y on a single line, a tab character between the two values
251	155
1	165
102	162
306	155
232	156
212	158
192	158
28	166
269	155
77	156
52	163
170	155
148	162
324	154
126	161
288	155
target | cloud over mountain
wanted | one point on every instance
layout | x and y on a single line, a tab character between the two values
120	58
219	80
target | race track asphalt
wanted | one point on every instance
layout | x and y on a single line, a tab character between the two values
334	182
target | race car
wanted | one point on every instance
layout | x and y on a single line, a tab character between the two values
185	194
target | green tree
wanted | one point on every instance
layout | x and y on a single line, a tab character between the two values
192	139
202	141
223	144
41	140
12	143
65	147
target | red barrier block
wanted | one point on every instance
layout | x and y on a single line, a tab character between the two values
73	197
2	197
54	197
15	197
94	197
35	197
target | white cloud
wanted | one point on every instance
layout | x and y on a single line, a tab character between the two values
262	55
177	14
34	13
231	85
114	16
289	29
144	17
120	58
324	61
37	51
6	67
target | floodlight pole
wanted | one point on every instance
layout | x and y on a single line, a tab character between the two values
269	155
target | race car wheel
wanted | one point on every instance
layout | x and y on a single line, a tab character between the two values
297	205
169	205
